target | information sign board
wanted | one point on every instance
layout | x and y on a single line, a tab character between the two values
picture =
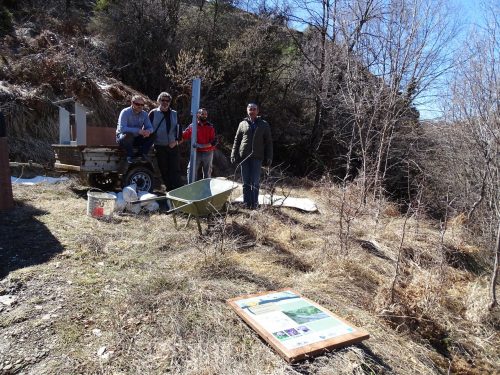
293	325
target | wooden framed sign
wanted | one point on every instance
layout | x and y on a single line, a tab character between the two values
295	326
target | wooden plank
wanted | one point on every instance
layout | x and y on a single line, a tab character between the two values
103	150
68	154
296	327
66	167
100	136
6	196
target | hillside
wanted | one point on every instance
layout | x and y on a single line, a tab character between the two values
135	295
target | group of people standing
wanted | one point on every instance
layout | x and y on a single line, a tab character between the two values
252	146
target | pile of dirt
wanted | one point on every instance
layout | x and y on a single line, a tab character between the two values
42	63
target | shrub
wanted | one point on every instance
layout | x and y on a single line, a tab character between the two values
6	21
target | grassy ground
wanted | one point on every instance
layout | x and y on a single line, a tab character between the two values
135	295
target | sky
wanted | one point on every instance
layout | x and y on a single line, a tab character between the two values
468	12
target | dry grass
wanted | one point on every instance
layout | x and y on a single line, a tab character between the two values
154	297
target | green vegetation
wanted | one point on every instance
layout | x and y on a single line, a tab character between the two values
6	21
102	5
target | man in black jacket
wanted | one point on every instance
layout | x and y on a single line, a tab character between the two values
253	147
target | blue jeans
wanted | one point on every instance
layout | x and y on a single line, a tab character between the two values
128	141
250	172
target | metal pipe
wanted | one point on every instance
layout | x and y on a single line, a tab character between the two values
195	105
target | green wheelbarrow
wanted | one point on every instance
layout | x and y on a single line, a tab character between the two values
201	198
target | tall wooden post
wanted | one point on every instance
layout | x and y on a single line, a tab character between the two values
6	197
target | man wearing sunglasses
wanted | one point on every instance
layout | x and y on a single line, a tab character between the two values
167	136
134	129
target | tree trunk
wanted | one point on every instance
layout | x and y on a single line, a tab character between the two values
317	130
494	276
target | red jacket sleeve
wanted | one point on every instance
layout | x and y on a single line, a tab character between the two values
186	134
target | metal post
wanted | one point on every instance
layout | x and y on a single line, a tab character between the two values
195	105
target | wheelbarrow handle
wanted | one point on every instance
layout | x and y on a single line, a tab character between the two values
149	200
158	199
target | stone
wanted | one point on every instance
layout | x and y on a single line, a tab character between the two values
8	299
97	332
106	356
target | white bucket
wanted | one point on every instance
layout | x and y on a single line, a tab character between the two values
100	204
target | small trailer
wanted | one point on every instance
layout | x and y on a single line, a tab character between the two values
93	153
106	167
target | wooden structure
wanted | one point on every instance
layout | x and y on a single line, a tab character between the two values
296	327
6	197
93	153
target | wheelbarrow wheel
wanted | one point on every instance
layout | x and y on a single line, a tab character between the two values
141	176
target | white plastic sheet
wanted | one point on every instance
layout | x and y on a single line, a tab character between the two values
303	204
37	180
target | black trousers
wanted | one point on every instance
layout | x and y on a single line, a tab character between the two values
128	141
169	165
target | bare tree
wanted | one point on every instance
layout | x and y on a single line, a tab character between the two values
475	115
369	62
403	47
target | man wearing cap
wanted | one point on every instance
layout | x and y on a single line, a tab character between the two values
252	148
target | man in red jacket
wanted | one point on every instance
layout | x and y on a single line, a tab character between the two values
205	144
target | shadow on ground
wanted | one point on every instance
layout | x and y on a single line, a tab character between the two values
24	240
371	364
286	258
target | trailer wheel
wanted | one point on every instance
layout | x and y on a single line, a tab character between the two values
141	176
102	181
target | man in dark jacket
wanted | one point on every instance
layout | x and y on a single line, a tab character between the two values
252	147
